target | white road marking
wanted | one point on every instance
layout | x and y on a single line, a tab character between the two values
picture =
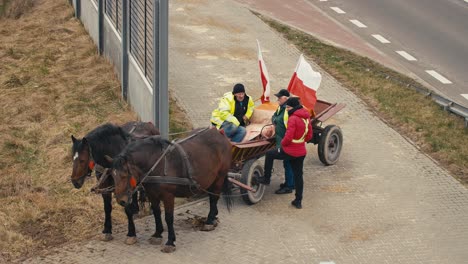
405	55
466	1
439	77
382	39
323	0
338	10
357	23
75	156
465	95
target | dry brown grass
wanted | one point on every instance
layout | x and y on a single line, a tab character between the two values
52	84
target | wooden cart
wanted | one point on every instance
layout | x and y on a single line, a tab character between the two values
245	165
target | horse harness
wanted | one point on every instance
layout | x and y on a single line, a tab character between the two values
174	145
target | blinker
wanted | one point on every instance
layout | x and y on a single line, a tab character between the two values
91	165
133	182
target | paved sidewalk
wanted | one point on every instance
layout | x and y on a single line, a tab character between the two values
384	202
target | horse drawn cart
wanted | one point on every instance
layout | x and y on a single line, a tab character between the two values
246	167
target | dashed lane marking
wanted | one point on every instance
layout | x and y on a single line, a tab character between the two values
406	55
465	95
439	77
382	39
357	23
338	10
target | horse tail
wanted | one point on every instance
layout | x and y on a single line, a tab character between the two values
227	193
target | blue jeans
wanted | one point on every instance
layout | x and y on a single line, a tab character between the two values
233	132
288	174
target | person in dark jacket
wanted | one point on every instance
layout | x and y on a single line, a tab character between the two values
293	147
280	121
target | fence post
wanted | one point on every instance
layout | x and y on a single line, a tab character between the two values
78	9
160	69
124	49
163	67
101	26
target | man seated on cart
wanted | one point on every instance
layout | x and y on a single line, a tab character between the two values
233	113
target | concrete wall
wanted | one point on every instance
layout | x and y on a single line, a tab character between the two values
89	18
140	95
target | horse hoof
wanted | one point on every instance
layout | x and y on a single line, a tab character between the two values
168	249
106	237
208	227
131	240
155	240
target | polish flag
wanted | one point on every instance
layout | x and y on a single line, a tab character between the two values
264	76
304	83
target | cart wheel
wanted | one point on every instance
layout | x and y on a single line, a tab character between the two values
251	170
330	145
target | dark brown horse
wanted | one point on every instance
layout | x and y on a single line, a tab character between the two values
90	151
196	164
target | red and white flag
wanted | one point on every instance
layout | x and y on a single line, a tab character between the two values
304	83
264	76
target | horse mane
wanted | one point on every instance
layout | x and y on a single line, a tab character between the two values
103	142
105	132
147	145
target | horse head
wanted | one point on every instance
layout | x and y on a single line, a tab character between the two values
83	164
126	178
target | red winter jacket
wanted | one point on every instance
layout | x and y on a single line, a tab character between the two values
295	131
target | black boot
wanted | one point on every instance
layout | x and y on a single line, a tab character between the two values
284	190
297	204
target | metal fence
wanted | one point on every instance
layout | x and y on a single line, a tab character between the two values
141	35
133	34
140	30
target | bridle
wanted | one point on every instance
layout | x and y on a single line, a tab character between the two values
90	167
131	186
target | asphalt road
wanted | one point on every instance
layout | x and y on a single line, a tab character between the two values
429	37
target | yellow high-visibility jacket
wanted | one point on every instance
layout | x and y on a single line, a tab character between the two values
226	108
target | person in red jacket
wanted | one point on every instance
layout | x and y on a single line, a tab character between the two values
293	147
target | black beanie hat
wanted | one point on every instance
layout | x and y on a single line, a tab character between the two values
293	102
238	88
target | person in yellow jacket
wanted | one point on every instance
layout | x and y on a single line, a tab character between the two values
233	113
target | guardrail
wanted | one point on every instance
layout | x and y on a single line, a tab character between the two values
447	104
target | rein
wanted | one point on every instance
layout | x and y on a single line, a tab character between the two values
147	178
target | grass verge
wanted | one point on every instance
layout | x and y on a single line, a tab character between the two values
52	84
436	132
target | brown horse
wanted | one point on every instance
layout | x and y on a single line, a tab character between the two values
89	151
196	164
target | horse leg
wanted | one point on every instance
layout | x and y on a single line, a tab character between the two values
211	222
107	232
134	208
156	238
131	235
169	217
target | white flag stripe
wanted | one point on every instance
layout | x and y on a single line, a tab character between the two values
380	38
307	75
266	93
465	95
406	55
439	77
338	10
357	23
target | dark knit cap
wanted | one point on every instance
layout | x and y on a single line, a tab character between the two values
238	88
293	102
282	92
